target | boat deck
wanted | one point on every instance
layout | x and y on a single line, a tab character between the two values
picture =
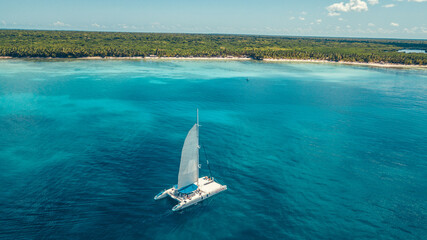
209	186
206	188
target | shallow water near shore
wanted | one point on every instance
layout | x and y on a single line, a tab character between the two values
308	151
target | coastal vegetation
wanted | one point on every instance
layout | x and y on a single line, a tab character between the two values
75	44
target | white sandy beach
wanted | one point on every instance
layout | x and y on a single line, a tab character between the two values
385	65
201	58
382	65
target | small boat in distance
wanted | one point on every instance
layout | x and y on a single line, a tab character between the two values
190	188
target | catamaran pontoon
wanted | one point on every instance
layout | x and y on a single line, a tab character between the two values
190	188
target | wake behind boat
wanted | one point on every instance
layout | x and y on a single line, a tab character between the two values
190	188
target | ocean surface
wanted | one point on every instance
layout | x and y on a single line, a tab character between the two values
308	151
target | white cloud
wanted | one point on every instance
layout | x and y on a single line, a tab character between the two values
354	5
417	0
96	25
371	24
3	22
125	26
291	18
340	19
334	14
373	2
386	31
394	24
389	5
415	30
60	24
301	18
304	13
411	30
319	20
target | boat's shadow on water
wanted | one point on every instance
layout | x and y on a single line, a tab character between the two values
196	209
179	219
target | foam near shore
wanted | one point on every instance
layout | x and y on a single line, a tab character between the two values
384	65
170	58
201	58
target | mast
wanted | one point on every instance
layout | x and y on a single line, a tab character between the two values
207	162
189	165
197	117
197	126
206	156
198	146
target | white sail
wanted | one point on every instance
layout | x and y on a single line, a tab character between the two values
188	178
189	167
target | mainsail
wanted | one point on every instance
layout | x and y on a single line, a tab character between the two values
188	178
189	167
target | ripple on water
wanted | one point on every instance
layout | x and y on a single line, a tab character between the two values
308	151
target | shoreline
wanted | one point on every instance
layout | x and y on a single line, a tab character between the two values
383	65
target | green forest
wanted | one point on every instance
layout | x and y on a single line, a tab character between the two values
75	44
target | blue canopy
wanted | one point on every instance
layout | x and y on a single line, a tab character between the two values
188	189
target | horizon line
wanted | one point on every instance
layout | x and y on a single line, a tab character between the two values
232	34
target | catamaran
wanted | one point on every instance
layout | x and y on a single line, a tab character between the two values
190	188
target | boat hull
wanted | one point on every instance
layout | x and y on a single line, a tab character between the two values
197	199
207	187
161	195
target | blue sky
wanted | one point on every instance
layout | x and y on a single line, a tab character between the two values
339	18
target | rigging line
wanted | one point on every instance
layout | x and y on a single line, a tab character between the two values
207	161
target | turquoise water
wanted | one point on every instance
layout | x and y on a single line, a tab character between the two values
308	151
412	51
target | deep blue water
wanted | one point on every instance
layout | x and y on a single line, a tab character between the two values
308	151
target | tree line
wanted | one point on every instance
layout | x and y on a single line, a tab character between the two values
75	44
